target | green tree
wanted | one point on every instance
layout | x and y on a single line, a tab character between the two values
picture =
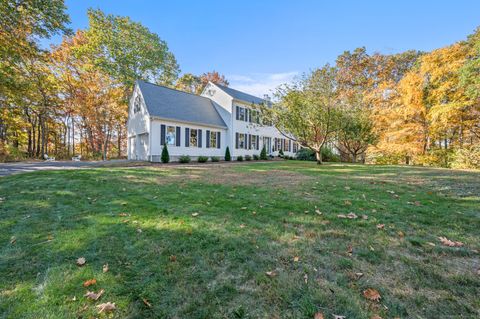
228	157
355	133
307	110
128	51
165	156
263	153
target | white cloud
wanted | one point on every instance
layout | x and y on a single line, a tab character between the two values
259	84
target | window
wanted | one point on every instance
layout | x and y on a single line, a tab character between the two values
136	104
242	140
255	116
295	147
171	135
193	137
254	142
213	139
241	113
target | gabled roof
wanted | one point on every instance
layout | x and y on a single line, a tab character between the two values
241	96
172	104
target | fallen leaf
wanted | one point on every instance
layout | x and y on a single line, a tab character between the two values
305	278
365	217
318	315
359	274
391	192
139	230
447	242
318	212
173	258
94	296
372	294
400	234
347	188
296	258
107	307
350	250
376	317
431	244
145	301
89	282
105	268
381	226
13	240
123	214
338	317
194	214
242	225
352	216
374	210
417	203
271	274
81	261
342	216
254	213
243	208
347	203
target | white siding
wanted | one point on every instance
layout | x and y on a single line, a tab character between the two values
138	128
176	151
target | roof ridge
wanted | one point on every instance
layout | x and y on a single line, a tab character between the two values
223	87
172	89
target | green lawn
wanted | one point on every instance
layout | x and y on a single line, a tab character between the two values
252	218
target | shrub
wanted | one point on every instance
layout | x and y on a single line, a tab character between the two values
214	159
240	158
184	159
248	158
437	158
202	159
228	157
165	156
306	154
256	157
280	153
263	154
467	158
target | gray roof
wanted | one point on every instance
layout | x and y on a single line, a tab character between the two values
238	95
172	104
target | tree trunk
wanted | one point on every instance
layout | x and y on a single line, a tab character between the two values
318	156
354	157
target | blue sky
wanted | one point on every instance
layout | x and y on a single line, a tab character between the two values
260	44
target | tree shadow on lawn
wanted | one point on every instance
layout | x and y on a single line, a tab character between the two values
218	268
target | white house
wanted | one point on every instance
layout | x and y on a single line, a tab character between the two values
198	125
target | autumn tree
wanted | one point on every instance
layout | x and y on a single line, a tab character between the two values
195	84
307	110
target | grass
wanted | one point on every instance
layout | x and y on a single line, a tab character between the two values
252	218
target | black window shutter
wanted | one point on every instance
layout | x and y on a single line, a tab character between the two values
218	139
236	112
207	142
199	138
258	142
249	141
187	137
236	140
247	114
177	138
162	134
289	145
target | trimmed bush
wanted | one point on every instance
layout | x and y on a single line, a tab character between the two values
184	159
214	159
240	158
248	158
263	154
306	154
228	157
165	156
256	157
202	159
